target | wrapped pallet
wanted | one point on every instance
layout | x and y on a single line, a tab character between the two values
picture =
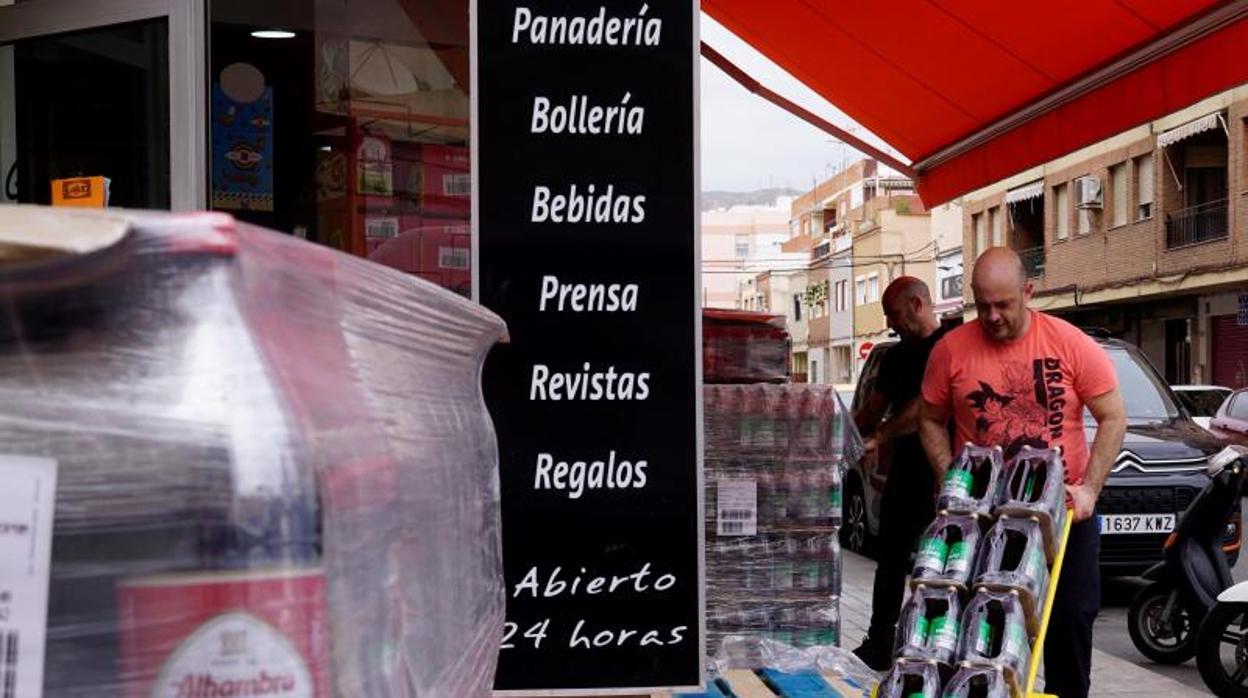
251	465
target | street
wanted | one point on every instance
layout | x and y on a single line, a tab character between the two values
1111	627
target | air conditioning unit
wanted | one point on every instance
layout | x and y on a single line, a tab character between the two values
1088	193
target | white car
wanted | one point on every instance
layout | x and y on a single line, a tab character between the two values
1202	401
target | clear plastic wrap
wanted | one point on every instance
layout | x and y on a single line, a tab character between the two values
752	652
276	470
994	632
911	679
1012	557
741	346
928	628
1034	486
947	550
970	484
775	456
977	681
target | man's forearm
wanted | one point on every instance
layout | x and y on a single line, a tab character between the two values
1105	449
904	422
935	439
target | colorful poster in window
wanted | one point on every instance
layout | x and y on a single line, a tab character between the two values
242	152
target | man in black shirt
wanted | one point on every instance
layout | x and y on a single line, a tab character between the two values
908	505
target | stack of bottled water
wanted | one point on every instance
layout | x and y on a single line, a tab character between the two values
981	576
775	457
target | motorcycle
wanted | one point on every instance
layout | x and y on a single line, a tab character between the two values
1166	615
1226	628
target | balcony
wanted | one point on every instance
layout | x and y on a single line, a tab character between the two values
821	250
1033	261
1197	224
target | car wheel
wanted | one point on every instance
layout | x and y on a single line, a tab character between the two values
1222	650
855	532
1165	639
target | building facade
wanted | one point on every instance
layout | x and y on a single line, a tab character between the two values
1144	235
861	228
739	243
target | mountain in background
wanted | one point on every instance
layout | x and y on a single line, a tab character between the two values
712	200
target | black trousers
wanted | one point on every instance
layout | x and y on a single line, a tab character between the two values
907	508
1068	647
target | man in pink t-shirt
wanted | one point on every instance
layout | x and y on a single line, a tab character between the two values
1017	377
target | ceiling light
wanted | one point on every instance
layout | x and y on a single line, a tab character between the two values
273	34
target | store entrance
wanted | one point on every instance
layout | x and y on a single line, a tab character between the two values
104	90
92	103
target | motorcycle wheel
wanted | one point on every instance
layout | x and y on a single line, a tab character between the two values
1222	650
1164	640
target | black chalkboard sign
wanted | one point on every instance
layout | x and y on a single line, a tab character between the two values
585	229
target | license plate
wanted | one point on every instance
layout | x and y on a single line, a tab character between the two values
1136	523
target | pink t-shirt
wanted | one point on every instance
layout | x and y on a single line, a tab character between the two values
1030	391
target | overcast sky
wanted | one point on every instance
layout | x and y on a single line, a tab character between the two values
749	143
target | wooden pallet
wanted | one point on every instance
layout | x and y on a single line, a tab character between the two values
770	683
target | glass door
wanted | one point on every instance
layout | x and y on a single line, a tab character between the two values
106	96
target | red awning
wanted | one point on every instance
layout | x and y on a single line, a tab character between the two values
972	91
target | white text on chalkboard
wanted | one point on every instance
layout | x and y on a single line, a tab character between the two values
576	476
557	585
587	207
578	118
621	637
586	298
594	30
587	639
588	384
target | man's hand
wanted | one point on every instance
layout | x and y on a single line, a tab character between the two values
870	445
1083	500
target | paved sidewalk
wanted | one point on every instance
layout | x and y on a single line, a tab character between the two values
1111	676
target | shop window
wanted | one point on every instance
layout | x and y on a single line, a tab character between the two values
352	132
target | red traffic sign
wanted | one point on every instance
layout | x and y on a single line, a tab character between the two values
865	350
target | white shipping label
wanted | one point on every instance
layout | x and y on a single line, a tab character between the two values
736	508
26	502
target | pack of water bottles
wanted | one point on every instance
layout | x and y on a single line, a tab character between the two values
775	458
980	578
240	464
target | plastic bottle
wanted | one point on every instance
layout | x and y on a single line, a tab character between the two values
835	576
977	681
1033	486
813	568
970	484
946	554
779	411
1012	556
836	492
994	631
911	679
784	557
928	628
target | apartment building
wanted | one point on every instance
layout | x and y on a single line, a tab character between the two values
860	228
738	243
892	237
1144	235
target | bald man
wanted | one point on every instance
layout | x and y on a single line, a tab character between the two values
907	506
1015	378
